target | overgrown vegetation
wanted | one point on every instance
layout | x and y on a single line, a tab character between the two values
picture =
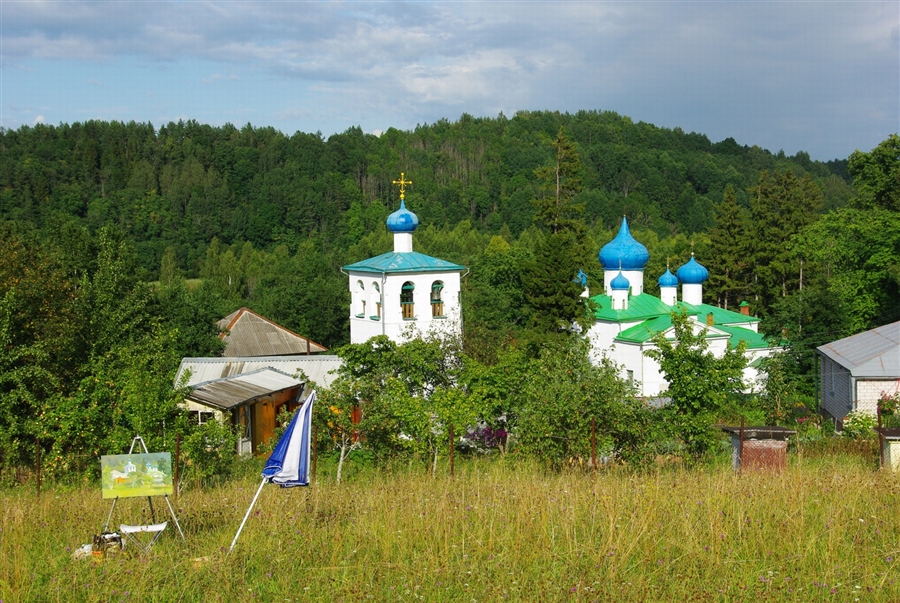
824	530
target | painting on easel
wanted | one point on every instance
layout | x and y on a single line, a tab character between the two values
126	475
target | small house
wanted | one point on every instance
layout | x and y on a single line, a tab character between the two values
855	371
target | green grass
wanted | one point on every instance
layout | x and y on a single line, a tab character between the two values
827	529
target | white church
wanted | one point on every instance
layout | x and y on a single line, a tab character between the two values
627	318
404	294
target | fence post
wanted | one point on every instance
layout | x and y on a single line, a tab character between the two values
315	453
38	463
451	450
741	446
177	460
880	438
593	443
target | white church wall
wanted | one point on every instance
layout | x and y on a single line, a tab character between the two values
391	323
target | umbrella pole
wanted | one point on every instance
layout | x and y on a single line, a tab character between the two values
252	504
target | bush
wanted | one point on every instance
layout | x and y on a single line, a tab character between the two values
209	452
860	425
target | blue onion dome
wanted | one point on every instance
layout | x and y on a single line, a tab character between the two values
668	279
692	273
402	220
620	283
624	252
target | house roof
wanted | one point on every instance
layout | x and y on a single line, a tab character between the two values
874	353
317	368
246	333
406	261
232	392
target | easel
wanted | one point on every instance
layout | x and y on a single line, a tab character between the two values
149	499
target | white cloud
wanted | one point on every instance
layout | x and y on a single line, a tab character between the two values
39	119
742	69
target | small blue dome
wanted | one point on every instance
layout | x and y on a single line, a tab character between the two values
620	283
668	280
402	220
692	273
624	252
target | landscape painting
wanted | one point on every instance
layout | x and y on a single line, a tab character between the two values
126	475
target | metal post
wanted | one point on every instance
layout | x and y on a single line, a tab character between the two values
593	443
252	504
741	446
880	437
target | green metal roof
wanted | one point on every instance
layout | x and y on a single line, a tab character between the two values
643	332
408	261
656	317
753	339
720	316
640	307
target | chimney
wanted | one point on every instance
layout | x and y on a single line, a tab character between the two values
745	308
710	321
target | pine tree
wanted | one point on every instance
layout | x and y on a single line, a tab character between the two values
780	207
552	294
561	181
728	259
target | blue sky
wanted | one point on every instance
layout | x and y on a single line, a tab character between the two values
821	77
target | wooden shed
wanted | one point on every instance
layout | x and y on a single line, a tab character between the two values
251	400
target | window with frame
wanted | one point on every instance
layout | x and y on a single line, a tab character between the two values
437	303
204	416
407	307
361	300
377	296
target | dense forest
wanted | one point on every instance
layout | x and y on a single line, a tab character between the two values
117	239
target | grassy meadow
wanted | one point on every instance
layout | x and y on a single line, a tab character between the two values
826	529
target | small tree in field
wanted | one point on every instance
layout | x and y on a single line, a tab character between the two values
699	382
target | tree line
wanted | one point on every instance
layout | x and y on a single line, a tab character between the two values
122	244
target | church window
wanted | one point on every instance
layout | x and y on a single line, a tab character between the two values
437	303
376	296
360	299
407	307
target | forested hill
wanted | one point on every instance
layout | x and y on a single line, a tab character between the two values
186	183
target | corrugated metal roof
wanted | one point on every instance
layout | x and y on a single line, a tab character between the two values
246	333
407	261
232	392
874	353
317	368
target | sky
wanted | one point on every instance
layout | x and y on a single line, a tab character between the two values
818	77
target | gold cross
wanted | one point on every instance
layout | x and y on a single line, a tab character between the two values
402	182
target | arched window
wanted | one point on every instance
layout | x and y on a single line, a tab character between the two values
437	303
376	300
360	299
407	307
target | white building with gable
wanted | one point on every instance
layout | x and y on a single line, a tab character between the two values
404	294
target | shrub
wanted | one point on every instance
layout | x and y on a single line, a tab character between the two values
859	425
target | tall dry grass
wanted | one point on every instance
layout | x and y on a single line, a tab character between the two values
824	530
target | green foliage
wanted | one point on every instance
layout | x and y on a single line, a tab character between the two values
876	175
727	259
407	393
781	206
562	393
699	382
209	452
860	425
